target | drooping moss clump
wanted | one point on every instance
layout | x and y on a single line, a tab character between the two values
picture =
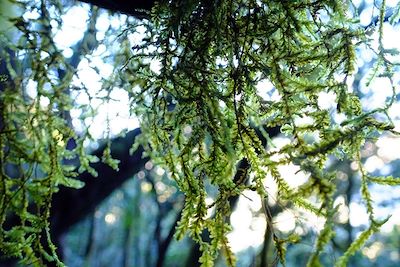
204	109
202	113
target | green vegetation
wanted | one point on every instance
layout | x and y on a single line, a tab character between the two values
203	113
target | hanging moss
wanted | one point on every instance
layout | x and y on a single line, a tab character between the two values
213	55
200	113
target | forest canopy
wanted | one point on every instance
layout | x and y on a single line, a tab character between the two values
211	83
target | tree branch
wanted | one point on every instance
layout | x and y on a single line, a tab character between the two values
69	205
137	8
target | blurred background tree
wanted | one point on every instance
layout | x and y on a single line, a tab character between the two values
128	214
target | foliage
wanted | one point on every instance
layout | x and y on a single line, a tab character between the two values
200	111
201	114
34	134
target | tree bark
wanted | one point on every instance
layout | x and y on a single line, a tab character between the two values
137	8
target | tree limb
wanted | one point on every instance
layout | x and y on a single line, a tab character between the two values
137	8
69	205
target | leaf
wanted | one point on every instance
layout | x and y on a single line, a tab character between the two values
388	180
287	129
70	182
